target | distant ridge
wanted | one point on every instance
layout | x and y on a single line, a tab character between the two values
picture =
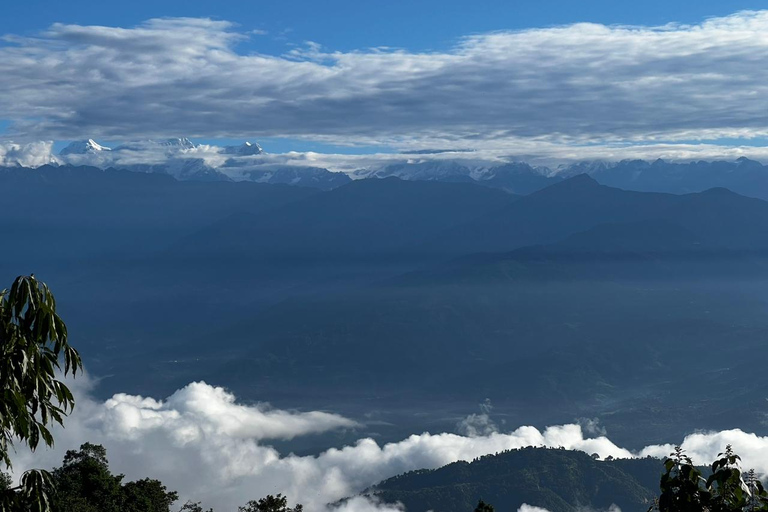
557	480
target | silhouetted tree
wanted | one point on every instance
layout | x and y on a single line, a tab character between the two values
483	507
147	495
193	506
85	484
278	503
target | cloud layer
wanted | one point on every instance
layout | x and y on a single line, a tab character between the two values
572	85
204	444
238	167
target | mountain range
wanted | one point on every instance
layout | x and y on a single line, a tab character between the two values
186	160
575	300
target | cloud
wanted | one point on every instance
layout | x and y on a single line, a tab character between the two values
203	443
238	167
199	410
703	448
33	154
366	504
514	90
592	426
530	508
476	425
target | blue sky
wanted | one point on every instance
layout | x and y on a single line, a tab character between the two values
358	77
352	24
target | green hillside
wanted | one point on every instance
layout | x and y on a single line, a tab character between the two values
555	479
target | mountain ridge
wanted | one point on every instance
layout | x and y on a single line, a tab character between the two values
555	479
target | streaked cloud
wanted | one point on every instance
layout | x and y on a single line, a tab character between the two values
562	88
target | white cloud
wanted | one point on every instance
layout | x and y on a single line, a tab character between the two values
476	425
204	444
366	504
32	154
208	447
514	90
530	508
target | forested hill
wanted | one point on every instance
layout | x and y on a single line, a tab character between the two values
556	479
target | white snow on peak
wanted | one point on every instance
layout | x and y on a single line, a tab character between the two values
167	145
180	143
83	147
245	149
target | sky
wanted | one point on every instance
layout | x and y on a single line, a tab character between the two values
346	25
349	77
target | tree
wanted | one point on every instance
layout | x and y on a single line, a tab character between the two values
484	507
85	484
681	485
147	495
193	506
271	503
6	482
684	489
33	344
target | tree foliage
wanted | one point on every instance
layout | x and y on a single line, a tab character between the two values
193	506
270	503
85	483
684	488
33	339
33	344
484	507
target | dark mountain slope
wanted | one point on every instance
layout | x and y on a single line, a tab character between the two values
549	215
518	178
366	218
715	218
744	176
558	480
81	212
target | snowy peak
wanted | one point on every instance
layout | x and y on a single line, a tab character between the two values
83	147
179	143
514	177
167	145
314	177
244	149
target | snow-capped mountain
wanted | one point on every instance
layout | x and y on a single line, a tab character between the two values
431	170
245	149
83	147
172	145
743	176
184	169
185	160
315	177
518	178
180	143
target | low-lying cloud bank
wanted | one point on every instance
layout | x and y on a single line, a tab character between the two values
204	444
